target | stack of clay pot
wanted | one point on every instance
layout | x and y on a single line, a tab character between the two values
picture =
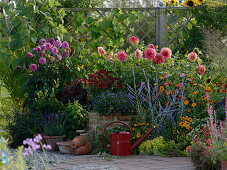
82	145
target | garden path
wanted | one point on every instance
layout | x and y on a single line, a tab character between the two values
135	162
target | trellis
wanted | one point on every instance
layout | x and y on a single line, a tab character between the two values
166	30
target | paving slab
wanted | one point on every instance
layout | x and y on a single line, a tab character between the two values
134	162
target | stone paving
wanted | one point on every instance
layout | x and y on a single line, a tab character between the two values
135	162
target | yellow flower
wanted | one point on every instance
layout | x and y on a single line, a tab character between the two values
200	2
193	104
138	135
189	110
189	3
204	97
161	88
186	102
161	77
155	84
168	92
173	2
195	92
195	84
208	88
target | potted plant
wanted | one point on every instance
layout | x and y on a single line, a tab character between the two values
54	129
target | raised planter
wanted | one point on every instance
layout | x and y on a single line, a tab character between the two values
96	122
223	165
52	141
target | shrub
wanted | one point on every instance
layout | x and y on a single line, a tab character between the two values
158	146
76	119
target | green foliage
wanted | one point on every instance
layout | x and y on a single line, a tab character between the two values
9	160
76	119
158	146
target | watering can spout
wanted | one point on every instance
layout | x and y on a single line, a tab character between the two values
136	144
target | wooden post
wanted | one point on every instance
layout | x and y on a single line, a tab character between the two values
161	27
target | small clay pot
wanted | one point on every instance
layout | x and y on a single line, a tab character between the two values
67	147
52	141
78	142
82	150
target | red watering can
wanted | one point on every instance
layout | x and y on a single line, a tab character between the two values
120	142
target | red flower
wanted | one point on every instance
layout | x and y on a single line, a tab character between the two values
122	56
150	53
159	58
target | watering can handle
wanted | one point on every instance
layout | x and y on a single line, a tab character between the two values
104	131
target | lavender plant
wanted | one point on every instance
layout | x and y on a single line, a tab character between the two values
54	124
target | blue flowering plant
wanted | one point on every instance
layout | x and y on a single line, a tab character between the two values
9	160
113	103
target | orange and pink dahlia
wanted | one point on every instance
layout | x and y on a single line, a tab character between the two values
201	69
150	53
134	40
192	56
122	56
166	52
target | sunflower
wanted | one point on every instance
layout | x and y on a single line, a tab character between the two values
200	2
189	3
173	2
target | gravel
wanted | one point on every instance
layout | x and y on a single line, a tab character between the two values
40	160
94	167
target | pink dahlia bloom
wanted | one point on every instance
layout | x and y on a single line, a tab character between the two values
48	46
192	56
42	60
139	54
134	40
166	52
59	57
201	69
101	51
65	44
150	53
33	67
30	55
55	50
166	76
182	74
159	58
122	56
151	46
58	43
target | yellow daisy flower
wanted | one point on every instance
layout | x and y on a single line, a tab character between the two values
168	92
161	88
189	110
189	3
200	2
161	77
186	102
195	92
193	104
204	97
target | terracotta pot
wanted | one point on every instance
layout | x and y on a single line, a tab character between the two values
82	150
80	141
66	147
52	141
223	165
